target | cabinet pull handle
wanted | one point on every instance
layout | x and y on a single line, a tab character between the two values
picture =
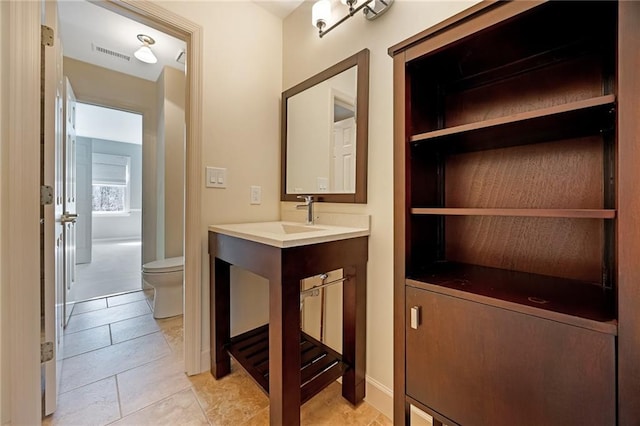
415	317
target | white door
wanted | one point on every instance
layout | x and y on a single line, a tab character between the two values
344	156
70	213
53	242
83	200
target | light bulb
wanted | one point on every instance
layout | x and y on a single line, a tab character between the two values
320	13
145	54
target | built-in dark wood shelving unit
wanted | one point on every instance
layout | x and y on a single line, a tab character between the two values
320	365
517	234
580	303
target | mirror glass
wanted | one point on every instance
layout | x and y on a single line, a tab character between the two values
325	134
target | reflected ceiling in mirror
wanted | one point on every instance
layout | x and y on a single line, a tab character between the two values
324	134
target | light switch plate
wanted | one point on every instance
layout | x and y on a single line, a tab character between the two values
256	194
216	177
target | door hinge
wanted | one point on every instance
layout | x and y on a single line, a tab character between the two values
46	195
46	35
46	351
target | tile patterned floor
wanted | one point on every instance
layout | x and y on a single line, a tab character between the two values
123	367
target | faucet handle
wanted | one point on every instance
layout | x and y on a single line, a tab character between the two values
307	198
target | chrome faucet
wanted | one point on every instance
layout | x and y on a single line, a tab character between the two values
308	205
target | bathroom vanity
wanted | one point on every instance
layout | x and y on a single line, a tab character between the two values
287	363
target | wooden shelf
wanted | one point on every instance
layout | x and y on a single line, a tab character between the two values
320	365
574	119
573	302
562	213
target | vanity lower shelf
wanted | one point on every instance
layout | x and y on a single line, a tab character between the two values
320	365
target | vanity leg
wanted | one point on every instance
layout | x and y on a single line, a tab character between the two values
284	352
354	317
220	331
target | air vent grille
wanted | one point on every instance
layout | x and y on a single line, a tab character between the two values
112	53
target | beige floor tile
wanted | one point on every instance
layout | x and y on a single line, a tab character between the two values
260	419
96	365
121	299
232	400
382	420
172	330
86	340
106	316
94	404
147	384
89	305
328	408
179	409
133	327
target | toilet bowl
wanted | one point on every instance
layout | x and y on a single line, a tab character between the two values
166	278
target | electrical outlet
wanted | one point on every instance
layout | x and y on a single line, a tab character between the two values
256	194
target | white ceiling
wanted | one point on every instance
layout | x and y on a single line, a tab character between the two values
83	26
280	8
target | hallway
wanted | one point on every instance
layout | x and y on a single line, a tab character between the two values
121	366
114	268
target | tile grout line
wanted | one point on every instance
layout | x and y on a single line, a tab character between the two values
120	372
122	416
119	399
195	395
113	322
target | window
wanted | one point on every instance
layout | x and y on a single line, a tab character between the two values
111	186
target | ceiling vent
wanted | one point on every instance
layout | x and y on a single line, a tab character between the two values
110	52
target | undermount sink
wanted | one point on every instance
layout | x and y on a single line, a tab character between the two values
288	234
295	229
280	227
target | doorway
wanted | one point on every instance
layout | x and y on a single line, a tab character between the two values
109	202
24	140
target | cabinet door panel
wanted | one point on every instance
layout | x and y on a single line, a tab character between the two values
482	365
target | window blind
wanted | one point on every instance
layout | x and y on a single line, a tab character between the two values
109	169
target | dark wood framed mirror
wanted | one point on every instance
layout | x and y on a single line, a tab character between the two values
324	134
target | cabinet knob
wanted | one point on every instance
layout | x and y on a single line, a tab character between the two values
415	317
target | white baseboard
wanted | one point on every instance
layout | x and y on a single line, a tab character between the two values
205	360
379	396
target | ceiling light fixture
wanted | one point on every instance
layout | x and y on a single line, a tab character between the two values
144	53
321	12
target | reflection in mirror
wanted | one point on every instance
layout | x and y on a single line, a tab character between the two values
325	134
320	130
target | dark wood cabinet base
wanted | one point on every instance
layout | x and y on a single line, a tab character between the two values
278	355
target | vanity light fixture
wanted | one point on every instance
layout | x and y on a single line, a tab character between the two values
321	12
144	53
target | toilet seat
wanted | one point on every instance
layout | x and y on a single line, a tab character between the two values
172	264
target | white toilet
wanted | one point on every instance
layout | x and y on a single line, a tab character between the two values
166	277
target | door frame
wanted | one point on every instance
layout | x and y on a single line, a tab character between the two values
21	221
21	216
163	20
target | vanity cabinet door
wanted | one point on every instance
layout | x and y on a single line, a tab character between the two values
482	365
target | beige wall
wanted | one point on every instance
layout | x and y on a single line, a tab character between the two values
170	152
305	54
100	86
242	81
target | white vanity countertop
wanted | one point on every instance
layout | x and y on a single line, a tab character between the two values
290	234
